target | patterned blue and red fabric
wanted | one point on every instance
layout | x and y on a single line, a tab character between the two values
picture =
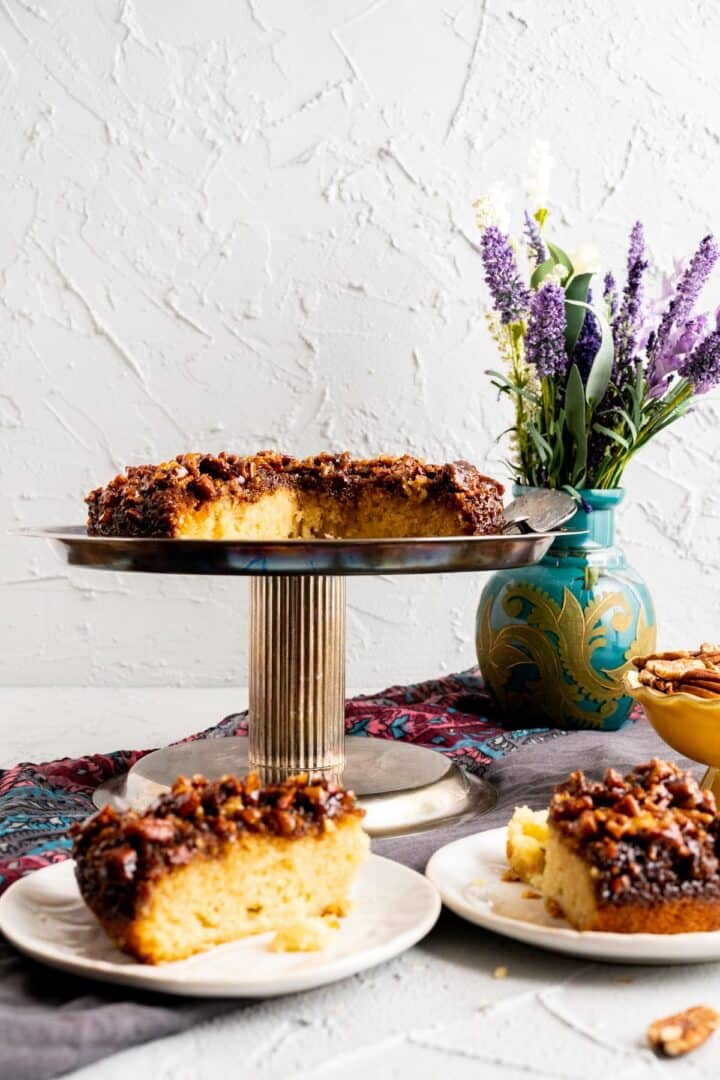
38	803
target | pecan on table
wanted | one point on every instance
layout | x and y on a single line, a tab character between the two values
685	1031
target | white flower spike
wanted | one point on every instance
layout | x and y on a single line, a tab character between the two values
540	166
586	259
492	209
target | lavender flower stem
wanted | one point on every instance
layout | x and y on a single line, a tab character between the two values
535	241
510	294
679	310
545	338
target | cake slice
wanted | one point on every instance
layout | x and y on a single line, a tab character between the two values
634	854
270	496
211	862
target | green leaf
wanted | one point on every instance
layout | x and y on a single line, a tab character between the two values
541	272
630	423
558	454
499	375
614	435
576	289
573	492
560	257
543	448
577	421
599	378
507	386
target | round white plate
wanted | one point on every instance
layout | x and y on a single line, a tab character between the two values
45	917
468	875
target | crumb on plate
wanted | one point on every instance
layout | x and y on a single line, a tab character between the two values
305	935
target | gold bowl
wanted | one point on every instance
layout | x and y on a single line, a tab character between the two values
689	724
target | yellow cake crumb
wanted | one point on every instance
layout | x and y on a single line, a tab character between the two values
500	973
526	840
305	935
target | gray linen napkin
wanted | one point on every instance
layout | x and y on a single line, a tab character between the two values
52	1023
527	776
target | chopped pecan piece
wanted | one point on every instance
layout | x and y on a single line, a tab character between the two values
285	822
683	1032
152	829
122	861
553	908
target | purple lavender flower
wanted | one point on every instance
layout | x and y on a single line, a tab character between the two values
636	251
682	342
626	325
588	342
680	307
610	294
535	242
690	336
702	367
655	306
510	294
545	338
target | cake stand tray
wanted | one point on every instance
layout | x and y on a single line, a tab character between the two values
258	558
297	666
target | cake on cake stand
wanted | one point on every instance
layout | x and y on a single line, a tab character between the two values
297	666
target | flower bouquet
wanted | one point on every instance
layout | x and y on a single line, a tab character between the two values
594	371
593	375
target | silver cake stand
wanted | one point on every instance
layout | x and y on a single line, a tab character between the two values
297	666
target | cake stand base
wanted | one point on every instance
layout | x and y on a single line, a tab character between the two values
402	788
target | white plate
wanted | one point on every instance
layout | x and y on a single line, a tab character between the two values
45	917
468	875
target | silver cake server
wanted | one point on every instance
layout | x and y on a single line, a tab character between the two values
539	511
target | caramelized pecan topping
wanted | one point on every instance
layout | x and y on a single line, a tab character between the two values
119	854
654	834
147	500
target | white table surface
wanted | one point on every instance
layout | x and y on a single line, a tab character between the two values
436	1011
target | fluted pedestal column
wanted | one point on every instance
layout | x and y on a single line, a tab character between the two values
297	676
297	723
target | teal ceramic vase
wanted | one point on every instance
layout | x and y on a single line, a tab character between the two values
555	639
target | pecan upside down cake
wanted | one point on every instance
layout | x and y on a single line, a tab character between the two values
633	854
212	862
273	496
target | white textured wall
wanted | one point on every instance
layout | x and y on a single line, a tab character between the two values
249	224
